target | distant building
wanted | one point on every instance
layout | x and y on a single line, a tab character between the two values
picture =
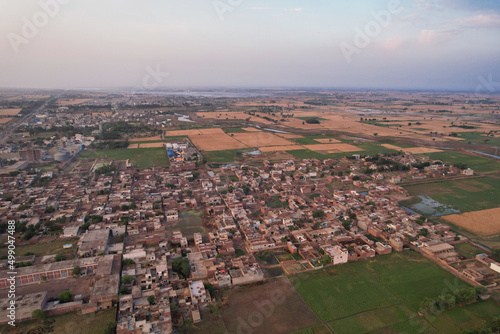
31	155
468	172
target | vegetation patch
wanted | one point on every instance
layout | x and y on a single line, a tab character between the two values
476	163
383	294
464	194
139	157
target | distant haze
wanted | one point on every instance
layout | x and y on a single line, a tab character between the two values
424	44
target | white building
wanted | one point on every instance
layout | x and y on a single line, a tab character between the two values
338	254
197	291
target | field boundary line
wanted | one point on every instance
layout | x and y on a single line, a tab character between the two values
300	296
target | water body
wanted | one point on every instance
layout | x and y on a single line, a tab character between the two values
434	208
256	152
273	130
410	210
487	154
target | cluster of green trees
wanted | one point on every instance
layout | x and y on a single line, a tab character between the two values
109	145
450	300
181	267
116	130
40	181
105	170
312	121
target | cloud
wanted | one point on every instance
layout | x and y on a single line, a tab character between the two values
436	36
490	20
430	4
392	44
297	10
258	8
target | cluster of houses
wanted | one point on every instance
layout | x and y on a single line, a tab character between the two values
156	242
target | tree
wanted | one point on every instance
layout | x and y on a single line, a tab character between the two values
77	271
127	279
151	300
65	296
424	232
38	314
347	224
318	214
123	290
428	305
181	267
128	261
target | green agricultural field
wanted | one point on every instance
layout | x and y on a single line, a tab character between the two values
222	156
365	148
72	322
234	130
41	249
464	194
384	295
341	292
308	154
469	317
468	250
479	138
476	163
139	157
310	139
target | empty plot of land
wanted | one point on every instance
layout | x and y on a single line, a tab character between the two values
5	120
267	308
414	150
251	129
133	146
484	222
257	139
333	147
9	112
290	135
212	131
418	150
280	148
147	145
217	142
146	139
177	133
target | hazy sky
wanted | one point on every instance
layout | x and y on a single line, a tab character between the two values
444	44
